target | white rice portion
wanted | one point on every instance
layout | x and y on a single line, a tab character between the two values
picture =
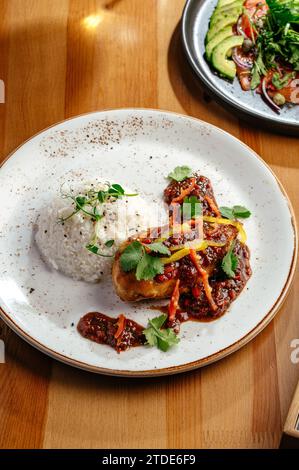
63	245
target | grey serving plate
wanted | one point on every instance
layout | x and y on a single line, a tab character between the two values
247	105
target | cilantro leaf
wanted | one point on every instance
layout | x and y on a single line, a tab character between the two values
148	267
168	339
227	212
241	212
95	250
150	336
235	212
191	208
158	247
158	322
131	256
161	338
230	262
180	173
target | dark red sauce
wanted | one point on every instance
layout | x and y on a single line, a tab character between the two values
102	329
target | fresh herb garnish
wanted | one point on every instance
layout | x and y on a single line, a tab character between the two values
131	256
259	70
158	247
235	212
90	205
277	42
284	11
161	338
95	250
180	173
109	243
115	191
136	257
148	267
191	208
230	262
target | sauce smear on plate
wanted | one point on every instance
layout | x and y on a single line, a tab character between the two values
120	333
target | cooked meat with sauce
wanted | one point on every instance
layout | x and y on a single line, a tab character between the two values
199	261
128	288
192	274
198	186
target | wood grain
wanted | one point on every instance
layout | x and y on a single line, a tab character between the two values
60	58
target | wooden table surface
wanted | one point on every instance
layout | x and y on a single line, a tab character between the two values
60	58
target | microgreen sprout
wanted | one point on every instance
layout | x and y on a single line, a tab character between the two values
89	204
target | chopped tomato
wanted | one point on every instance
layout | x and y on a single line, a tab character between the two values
254	4
255	9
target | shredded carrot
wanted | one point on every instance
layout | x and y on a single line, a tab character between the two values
205	279
213	206
121	323
174	301
185	192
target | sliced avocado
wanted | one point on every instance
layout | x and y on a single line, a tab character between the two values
226	67
222	23
223	3
231	4
219	14
223	34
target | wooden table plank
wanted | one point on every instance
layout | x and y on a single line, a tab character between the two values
65	57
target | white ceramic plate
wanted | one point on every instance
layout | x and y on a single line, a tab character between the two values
136	148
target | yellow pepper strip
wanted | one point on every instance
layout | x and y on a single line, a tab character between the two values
181	253
235	223
177	255
202	246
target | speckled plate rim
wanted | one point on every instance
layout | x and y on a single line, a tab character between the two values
283	127
190	365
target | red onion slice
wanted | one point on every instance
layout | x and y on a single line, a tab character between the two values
241	59
270	102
